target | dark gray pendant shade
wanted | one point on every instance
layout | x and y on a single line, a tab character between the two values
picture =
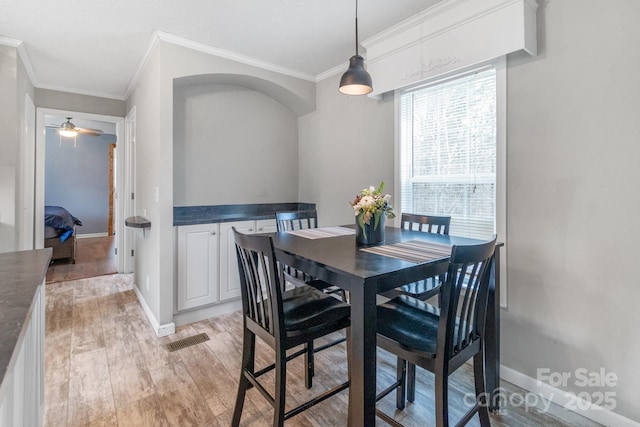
356	80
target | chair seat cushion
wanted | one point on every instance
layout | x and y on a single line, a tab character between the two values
305	308
410	322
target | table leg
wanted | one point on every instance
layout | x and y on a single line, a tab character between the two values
492	338
362	369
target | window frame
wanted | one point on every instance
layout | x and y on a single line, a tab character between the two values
501	152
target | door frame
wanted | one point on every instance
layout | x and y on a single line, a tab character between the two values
121	175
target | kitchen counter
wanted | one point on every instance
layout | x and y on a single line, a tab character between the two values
189	215
21	273
22	324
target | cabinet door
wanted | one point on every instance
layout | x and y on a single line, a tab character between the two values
229	275
198	272
266	226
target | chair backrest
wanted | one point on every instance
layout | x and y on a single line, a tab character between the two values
297	220
428	223
464	297
259	282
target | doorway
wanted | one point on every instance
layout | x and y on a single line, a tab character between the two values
119	176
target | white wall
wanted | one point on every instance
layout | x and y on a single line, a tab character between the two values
572	210
346	145
233	145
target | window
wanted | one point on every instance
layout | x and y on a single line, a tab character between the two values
448	151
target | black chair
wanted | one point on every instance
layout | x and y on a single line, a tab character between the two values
430	286
300	220
282	319
442	339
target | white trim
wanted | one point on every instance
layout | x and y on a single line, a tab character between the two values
160	330
427	45
501	172
223	53
566	400
210	50
40	160
90	235
143	63
8	41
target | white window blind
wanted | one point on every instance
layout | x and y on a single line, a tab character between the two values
448	152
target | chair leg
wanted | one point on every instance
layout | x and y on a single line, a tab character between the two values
309	370
401	375
481	395
411	382
442	398
281	380
248	358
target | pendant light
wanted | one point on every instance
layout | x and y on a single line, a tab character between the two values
356	80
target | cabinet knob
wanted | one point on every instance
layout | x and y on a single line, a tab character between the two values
213	233
251	229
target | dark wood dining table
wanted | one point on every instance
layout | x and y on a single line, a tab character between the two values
340	261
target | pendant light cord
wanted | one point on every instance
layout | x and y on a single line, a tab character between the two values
356	27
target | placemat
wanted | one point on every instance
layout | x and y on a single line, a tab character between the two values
322	232
414	250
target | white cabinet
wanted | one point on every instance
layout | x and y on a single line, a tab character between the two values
207	265
198	265
229	276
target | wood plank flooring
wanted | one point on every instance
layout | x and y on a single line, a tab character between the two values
104	366
95	256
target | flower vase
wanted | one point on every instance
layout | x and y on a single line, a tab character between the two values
369	235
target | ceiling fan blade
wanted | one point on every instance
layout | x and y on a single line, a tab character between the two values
87	131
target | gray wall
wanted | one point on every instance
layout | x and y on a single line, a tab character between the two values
573	162
46	98
346	145
152	98
232	145
77	178
14	87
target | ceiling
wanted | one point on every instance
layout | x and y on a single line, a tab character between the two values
95	47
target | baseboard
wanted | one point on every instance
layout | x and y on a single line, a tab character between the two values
569	401
88	235
160	330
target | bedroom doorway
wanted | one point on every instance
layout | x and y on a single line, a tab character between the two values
99	246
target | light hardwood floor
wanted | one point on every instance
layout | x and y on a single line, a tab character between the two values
95	256
104	366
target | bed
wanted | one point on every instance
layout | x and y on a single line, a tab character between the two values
60	232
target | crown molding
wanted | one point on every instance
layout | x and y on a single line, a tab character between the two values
201	47
9	41
209	50
24	57
155	39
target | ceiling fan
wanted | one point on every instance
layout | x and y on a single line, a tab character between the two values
70	130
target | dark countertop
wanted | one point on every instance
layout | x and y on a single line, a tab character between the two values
137	222
189	215
21	273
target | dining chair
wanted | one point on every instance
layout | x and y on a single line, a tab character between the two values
430	286
442	339
300	220
282	319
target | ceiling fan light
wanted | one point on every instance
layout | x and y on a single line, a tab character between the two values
69	133
356	80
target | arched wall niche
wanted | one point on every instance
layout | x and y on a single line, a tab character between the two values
298	105
235	140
